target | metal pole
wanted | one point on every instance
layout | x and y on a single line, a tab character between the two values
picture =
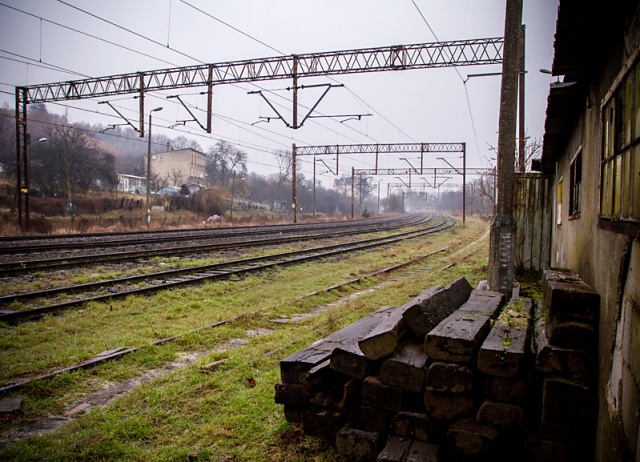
149	168
22	159
295	92
378	197
233	185
294	199
464	183
314	186
360	194
353	174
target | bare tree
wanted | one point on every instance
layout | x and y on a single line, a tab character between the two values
283	159
70	161
182	142
7	141
176	176
158	182
485	194
532	150
223	159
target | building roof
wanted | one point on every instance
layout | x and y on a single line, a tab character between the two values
584	33
180	150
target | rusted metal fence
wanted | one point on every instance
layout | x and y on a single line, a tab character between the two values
532	214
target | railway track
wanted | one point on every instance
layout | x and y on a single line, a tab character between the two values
25	245
118	353
21	266
149	283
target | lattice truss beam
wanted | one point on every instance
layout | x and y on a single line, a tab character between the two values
423	171
378	148
393	58
393	148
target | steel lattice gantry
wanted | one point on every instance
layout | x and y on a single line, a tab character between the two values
391	148
464	171
393	58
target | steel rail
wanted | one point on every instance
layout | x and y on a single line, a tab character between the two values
144	237
212	272
26	266
118	353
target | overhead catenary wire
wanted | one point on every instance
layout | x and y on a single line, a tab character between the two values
150	56
464	83
202	62
218	115
88	35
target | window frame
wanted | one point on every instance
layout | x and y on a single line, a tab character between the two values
619	208
575	185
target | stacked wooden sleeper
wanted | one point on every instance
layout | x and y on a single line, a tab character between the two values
405	381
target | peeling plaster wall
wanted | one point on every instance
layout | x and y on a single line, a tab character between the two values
610	263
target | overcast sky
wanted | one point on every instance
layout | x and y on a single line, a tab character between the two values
429	105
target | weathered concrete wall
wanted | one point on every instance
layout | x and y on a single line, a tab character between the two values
609	262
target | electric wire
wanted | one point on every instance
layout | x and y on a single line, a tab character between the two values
170	63
330	78
88	35
473	124
202	62
36	63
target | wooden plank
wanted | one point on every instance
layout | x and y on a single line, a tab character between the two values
369	419
485	302
572	397
503	351
406	369
292	394
571	310
293	414
415	425
505	416
447	377
337	394
358	445
429	308
295	368
395	450
384	339
377	394
567	362
468	438
447	406
459	336
506	389
322	422
400	449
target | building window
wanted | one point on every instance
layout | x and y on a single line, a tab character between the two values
620	165
576	186
559	203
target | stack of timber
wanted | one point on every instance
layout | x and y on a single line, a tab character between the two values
566	361
432	380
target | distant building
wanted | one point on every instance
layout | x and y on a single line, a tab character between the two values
169	190
183	166
132	183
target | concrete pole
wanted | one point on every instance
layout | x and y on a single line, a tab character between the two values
521	126
353	175
294	197
148	204
501	246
